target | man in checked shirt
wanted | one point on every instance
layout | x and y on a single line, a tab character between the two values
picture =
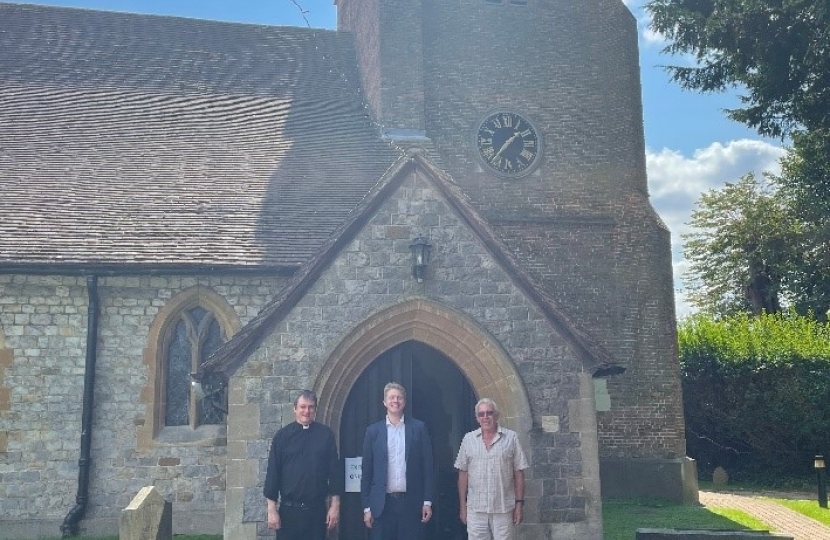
491	482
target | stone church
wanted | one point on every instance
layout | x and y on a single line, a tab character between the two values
199	219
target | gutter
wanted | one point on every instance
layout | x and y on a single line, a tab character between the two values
70	523
86	269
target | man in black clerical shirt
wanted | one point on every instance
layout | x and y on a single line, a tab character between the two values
303	471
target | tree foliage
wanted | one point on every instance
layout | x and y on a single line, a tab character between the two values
805	185
778	53
740	249
755	392
778	50
805	174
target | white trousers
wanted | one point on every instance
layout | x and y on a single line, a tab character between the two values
484	526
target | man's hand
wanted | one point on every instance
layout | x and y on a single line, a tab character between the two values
426	513
462	514
367	519
273	518
333	516
517	513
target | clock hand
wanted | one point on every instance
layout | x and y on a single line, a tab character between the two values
506	144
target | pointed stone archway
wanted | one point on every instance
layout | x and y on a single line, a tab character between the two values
480	358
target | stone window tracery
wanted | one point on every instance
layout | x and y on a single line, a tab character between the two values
196	335
187	330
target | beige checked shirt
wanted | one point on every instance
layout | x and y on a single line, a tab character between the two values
490	472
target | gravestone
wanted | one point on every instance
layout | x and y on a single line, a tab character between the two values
148	517
720	477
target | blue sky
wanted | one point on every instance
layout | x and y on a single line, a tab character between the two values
691	146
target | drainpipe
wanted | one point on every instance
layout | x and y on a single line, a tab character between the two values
70	522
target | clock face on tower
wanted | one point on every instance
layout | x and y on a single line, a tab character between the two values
508	144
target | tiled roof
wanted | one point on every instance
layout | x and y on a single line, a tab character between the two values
228	358
165	142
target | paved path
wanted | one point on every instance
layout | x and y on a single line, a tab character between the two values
779	518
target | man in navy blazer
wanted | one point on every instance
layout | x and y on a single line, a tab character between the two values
397	484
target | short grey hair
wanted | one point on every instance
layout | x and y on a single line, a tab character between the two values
486	401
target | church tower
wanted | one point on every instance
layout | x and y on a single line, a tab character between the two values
534	108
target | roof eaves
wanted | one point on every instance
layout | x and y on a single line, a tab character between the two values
139	269
228	358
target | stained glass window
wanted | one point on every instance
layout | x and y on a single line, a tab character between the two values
194	337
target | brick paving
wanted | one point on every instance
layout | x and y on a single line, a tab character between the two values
779	518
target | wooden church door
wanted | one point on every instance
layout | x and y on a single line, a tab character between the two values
436	393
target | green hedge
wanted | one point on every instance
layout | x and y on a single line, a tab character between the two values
756	392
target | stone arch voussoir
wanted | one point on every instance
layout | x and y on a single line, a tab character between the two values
486	365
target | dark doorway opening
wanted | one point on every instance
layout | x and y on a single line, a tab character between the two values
439	394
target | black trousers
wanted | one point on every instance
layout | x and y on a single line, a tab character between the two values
400	520
302	522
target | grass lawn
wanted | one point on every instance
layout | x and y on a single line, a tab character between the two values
803	500
808	508
621	518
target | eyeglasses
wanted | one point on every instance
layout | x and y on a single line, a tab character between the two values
482	414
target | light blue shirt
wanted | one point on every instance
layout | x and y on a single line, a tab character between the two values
396	447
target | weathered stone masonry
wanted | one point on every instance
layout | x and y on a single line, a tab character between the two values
44	320
367	280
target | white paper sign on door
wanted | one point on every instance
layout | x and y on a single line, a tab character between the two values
354	468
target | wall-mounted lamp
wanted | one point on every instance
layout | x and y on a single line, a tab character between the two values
818	464
420	257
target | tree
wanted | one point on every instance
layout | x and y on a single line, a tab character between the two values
778	50
805	185
741	249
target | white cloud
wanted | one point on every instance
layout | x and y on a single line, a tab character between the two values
648	36
677	181
651	37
